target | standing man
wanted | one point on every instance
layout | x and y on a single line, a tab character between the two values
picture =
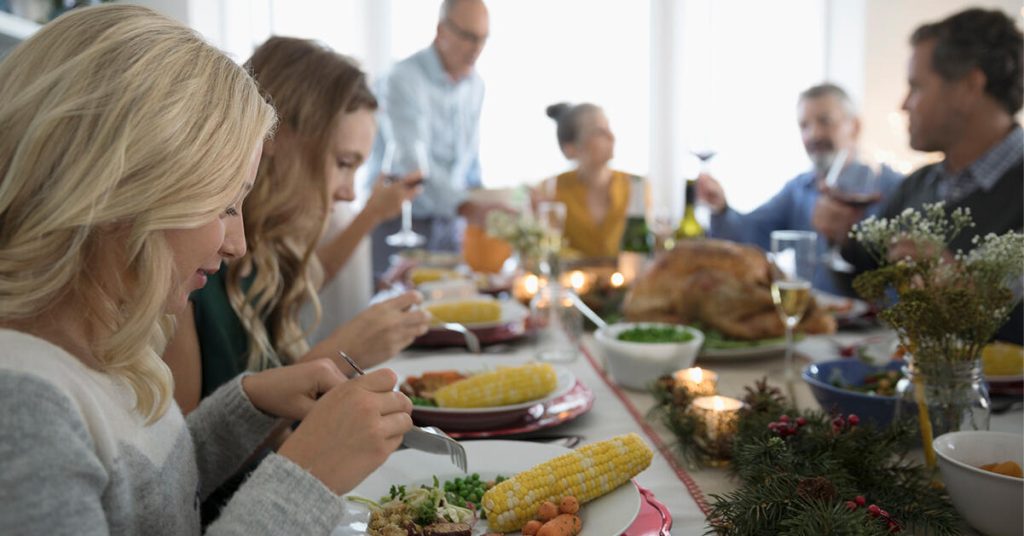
966	85
434	98
828	125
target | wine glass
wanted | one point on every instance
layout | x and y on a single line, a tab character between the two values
551	217
400	160
795	255
857	184
663	225
704	154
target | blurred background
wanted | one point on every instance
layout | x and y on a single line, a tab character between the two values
673	75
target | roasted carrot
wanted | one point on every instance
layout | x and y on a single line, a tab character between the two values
547	511
569	505
562	525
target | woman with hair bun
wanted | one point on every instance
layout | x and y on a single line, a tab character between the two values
128	146
595	196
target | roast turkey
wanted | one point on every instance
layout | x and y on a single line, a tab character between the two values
721	285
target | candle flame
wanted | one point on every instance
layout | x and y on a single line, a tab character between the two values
717	404
696	375
577	279
531	284
618	280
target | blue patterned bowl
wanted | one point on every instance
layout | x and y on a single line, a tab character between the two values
869	407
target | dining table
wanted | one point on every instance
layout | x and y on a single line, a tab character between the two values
685	490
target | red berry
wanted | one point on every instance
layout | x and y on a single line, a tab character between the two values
784	418
800	421
854	420
883	513
851	506
859	500
874	510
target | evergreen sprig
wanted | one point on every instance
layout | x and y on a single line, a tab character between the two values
810	473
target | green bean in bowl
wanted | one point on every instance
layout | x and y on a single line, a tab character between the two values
655	334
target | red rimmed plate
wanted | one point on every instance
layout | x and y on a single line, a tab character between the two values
654	518
511	326
564	403
557	411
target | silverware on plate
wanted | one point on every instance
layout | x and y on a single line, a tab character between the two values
426	439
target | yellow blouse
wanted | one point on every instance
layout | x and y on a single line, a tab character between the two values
582	233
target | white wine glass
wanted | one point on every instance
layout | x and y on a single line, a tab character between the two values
795	256
398	161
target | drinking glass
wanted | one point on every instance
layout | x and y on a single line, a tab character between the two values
400	160
662	224
795	255
558	324
704	154
854	183
551	218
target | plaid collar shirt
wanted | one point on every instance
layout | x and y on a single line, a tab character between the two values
983	173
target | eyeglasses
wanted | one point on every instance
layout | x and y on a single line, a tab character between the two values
464	34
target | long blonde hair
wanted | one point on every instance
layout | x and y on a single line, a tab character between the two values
286	212
116	118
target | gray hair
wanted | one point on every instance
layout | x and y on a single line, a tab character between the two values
829	89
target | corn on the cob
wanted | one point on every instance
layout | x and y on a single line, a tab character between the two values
466	311
507	385
424	274
586	473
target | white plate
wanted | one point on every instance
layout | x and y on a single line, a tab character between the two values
511	312
473	364
749	352
841	307
610	514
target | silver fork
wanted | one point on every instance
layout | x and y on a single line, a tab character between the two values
472	342
425	438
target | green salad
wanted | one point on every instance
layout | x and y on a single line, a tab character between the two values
655	335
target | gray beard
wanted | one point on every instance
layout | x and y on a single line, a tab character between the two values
822	161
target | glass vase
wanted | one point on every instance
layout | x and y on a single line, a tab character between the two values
953	394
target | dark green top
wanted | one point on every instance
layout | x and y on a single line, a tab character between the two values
223	343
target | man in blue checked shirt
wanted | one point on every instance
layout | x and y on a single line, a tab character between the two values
828	127
434	98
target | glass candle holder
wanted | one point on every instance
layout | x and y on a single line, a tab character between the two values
719	416
697	381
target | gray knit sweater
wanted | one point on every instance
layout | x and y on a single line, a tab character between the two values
76	459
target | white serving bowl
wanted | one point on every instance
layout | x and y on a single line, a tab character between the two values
988	501
637	364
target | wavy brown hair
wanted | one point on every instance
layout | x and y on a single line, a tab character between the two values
116	118
287	211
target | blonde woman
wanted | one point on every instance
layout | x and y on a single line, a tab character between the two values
127	147
247	318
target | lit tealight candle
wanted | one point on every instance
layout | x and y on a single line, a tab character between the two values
719	415
577	280
526	287
697	381
618	280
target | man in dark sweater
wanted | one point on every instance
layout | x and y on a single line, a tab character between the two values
965	88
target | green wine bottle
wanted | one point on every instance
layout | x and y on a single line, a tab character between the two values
636	245
689	227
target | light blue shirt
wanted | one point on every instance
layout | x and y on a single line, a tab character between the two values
792	209
420	102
